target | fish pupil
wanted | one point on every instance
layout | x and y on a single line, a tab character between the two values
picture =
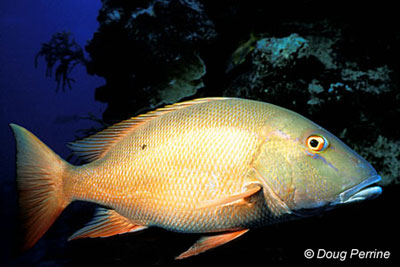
314	143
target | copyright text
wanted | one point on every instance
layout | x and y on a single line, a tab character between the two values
343	255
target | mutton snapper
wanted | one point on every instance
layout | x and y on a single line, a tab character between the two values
221	165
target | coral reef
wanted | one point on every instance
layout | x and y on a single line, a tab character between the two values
305	74
336	69
149	53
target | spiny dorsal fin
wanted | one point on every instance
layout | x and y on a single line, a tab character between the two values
96	146
106	223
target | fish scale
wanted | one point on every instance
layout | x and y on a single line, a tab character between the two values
208	165
203	154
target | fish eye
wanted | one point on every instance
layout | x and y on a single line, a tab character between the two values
317	143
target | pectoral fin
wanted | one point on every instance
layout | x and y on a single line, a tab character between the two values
209	242
106	223
253	189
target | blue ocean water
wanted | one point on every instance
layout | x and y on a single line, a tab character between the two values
28	98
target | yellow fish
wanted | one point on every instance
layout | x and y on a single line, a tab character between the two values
221	165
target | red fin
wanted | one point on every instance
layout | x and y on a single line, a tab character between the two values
39	181
254	189
96	146
106	223
209	242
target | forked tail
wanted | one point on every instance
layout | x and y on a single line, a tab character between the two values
40	175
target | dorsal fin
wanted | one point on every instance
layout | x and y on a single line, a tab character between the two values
97	145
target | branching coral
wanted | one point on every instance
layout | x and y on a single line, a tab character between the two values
63	51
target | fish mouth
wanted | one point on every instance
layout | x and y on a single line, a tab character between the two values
361	191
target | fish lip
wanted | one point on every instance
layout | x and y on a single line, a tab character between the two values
361	191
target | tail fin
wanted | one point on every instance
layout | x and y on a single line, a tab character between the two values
40	185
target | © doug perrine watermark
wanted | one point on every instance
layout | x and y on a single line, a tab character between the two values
343	255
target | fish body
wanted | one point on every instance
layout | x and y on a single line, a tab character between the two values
209	165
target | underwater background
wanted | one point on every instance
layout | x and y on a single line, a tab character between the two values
70	68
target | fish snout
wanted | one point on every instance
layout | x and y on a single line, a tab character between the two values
360	192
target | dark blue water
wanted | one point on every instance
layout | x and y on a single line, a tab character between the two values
28	98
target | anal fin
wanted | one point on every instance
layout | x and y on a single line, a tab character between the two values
209	242
106	223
